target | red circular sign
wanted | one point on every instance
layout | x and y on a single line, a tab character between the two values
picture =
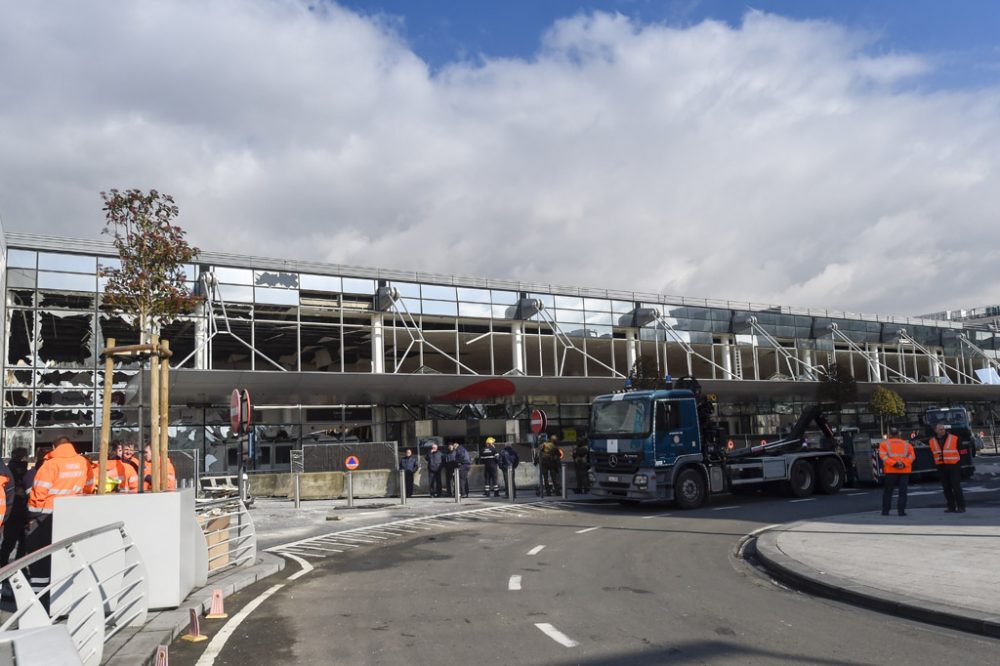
246	411
538	421
352	462
235	412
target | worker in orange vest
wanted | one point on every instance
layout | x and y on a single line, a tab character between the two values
147	473
63	473
897	458
944	446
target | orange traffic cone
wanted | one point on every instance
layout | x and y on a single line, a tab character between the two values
217	611
194	630
161	656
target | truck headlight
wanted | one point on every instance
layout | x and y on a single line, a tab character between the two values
640	480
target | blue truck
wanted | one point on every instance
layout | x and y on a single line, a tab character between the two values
661	445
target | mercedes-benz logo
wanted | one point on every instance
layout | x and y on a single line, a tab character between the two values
612	461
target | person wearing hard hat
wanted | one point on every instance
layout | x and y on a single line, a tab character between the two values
489	457
897	458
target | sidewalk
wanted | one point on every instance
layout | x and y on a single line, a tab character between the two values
929	565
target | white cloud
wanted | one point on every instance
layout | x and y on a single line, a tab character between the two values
779	161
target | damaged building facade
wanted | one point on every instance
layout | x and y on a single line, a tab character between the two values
336	352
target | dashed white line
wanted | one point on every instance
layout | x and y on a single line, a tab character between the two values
215	646
514	584
804	499
658	515
556	635
589	529
535	550
723	508
855	494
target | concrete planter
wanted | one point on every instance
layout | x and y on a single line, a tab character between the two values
163	527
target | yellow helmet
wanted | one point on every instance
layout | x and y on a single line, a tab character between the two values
490	440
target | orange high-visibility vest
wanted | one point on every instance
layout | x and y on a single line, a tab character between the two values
64	472
895	450
171	476
949	454
129	476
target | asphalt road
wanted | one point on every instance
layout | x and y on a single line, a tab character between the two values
612	585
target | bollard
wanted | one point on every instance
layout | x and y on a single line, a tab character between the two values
298	490
458	490
562	479
509	473
402	487
350	490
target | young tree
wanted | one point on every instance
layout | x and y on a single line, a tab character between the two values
645	376
886	402
149	285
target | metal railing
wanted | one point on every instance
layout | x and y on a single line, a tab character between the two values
229	533
98	587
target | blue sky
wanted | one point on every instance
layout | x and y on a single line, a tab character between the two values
961	37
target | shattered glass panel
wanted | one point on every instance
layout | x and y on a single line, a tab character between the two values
120	328
64	398
20	297
73	263
232	351
64	417
21	277
17	418
19	378
65	339
181	336
77	301
233	275
13	439
276	279
66	378
320	348
276	313
277	342
18	398
20	337
232	311
22	258
67	281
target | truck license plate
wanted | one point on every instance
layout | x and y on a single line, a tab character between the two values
612	479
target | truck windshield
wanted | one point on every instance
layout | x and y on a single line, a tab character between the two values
620	418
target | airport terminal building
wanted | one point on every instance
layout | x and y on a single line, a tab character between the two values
334	352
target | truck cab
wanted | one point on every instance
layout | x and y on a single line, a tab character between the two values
638	439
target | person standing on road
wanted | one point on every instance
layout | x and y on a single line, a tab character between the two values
489	457
897	458
508	459
435	462
409	464
449	468
944	446
463	461
549	456
581	464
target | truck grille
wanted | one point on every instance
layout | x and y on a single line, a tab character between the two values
624	463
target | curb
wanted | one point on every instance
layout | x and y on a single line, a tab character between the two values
137	645
763	551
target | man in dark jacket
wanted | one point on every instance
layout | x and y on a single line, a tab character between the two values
463	461
435	462
16	520
489	457
450	465
409	464
581	464
508	460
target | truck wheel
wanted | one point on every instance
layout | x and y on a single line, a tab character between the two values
830	476
801	480
689	492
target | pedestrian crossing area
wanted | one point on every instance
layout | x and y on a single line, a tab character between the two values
328	545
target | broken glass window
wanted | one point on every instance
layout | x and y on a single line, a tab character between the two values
68	300
231	349
19	377
276	279
20	337
20	437
18	398
20	297
17	418
64	399
66	378
78	418
278	342
65	339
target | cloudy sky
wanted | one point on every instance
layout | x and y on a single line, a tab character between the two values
848	160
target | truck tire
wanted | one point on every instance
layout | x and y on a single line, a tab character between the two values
801	480
830	476
689	491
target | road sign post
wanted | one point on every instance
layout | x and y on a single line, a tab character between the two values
539	422
351	463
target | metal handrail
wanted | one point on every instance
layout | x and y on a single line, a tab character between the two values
47	551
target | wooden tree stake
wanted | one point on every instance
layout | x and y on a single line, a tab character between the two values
154	418
102	459
164	413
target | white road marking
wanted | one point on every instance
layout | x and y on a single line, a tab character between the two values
556	635
535	550
659	515
855	494
924	492
306	567
514	583
805	499
216	644
723	508
589	529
